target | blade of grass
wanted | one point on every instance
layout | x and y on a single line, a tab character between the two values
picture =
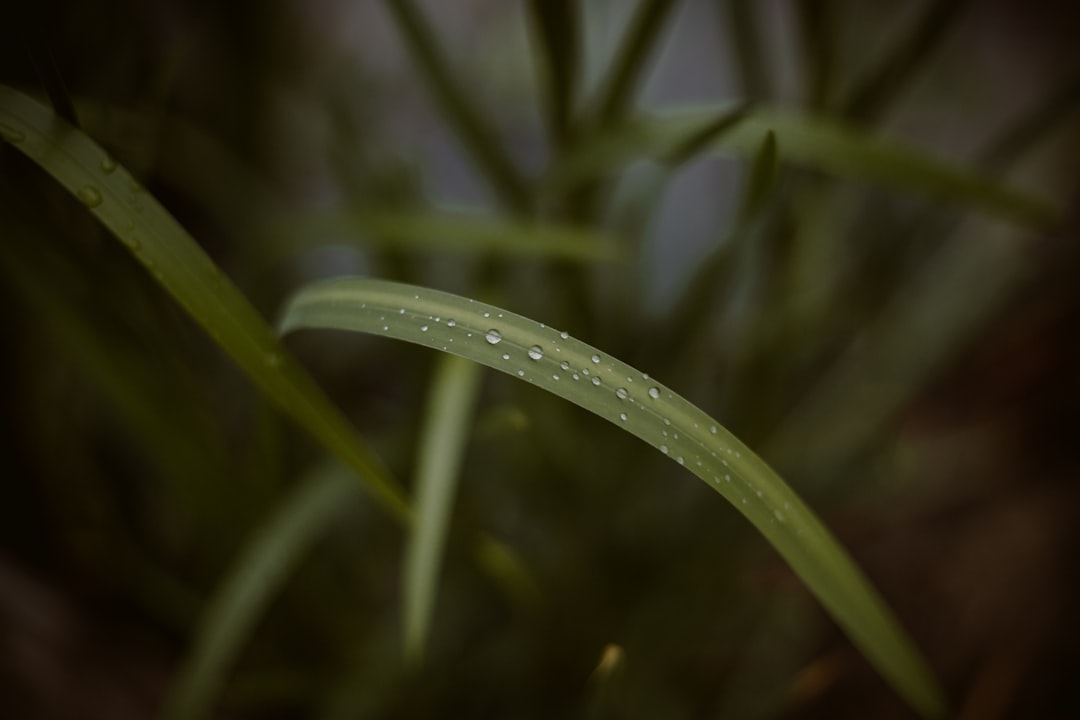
745	34
557	27
185	271
489	156
884	82
645	28
810	141
447	422
581	374
451	231
256	575
816	30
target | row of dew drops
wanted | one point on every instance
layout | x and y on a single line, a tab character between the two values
535	352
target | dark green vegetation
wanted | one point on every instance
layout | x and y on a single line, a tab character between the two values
543	562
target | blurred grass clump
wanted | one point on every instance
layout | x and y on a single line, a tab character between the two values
844	230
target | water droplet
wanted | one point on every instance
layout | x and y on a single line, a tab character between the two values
493	336
451	323
712	429
621	393
663	449
564	365
622	416
108	165
680	460
423	328
728	478
554	377
575	376
90	196
401	311
487	314
506	356
596	381
564	335
779	515
654	393
521	373
535	352
595	358
11	134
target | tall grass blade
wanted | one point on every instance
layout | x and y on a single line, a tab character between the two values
488	154
645	27
814	142
447	422
254	578
575	371
884	82
745	36
177	262
557	26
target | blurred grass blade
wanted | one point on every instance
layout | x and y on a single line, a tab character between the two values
745	36
707	136
884	82
762	178
645	27
575	371
816	19
810	141
449	231
447	423
178	263
484	147
556	25
251	583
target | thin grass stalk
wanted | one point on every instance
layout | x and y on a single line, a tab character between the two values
884	82
637	45
505	179
557	33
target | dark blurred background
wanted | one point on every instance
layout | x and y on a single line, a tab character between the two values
909	366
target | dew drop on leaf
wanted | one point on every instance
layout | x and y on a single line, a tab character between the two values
535	352
493	336
596	381
654	393
89	196
621	393
595	358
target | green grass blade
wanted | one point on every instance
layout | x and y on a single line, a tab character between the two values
253	580
556	25
645	27
809	141
449	231
577	372
178	263
447	422
884	82
481	142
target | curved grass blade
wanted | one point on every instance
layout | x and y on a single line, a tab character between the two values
810	141
254	578
178	263
447	422
577	372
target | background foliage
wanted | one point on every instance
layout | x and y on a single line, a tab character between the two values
901	351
